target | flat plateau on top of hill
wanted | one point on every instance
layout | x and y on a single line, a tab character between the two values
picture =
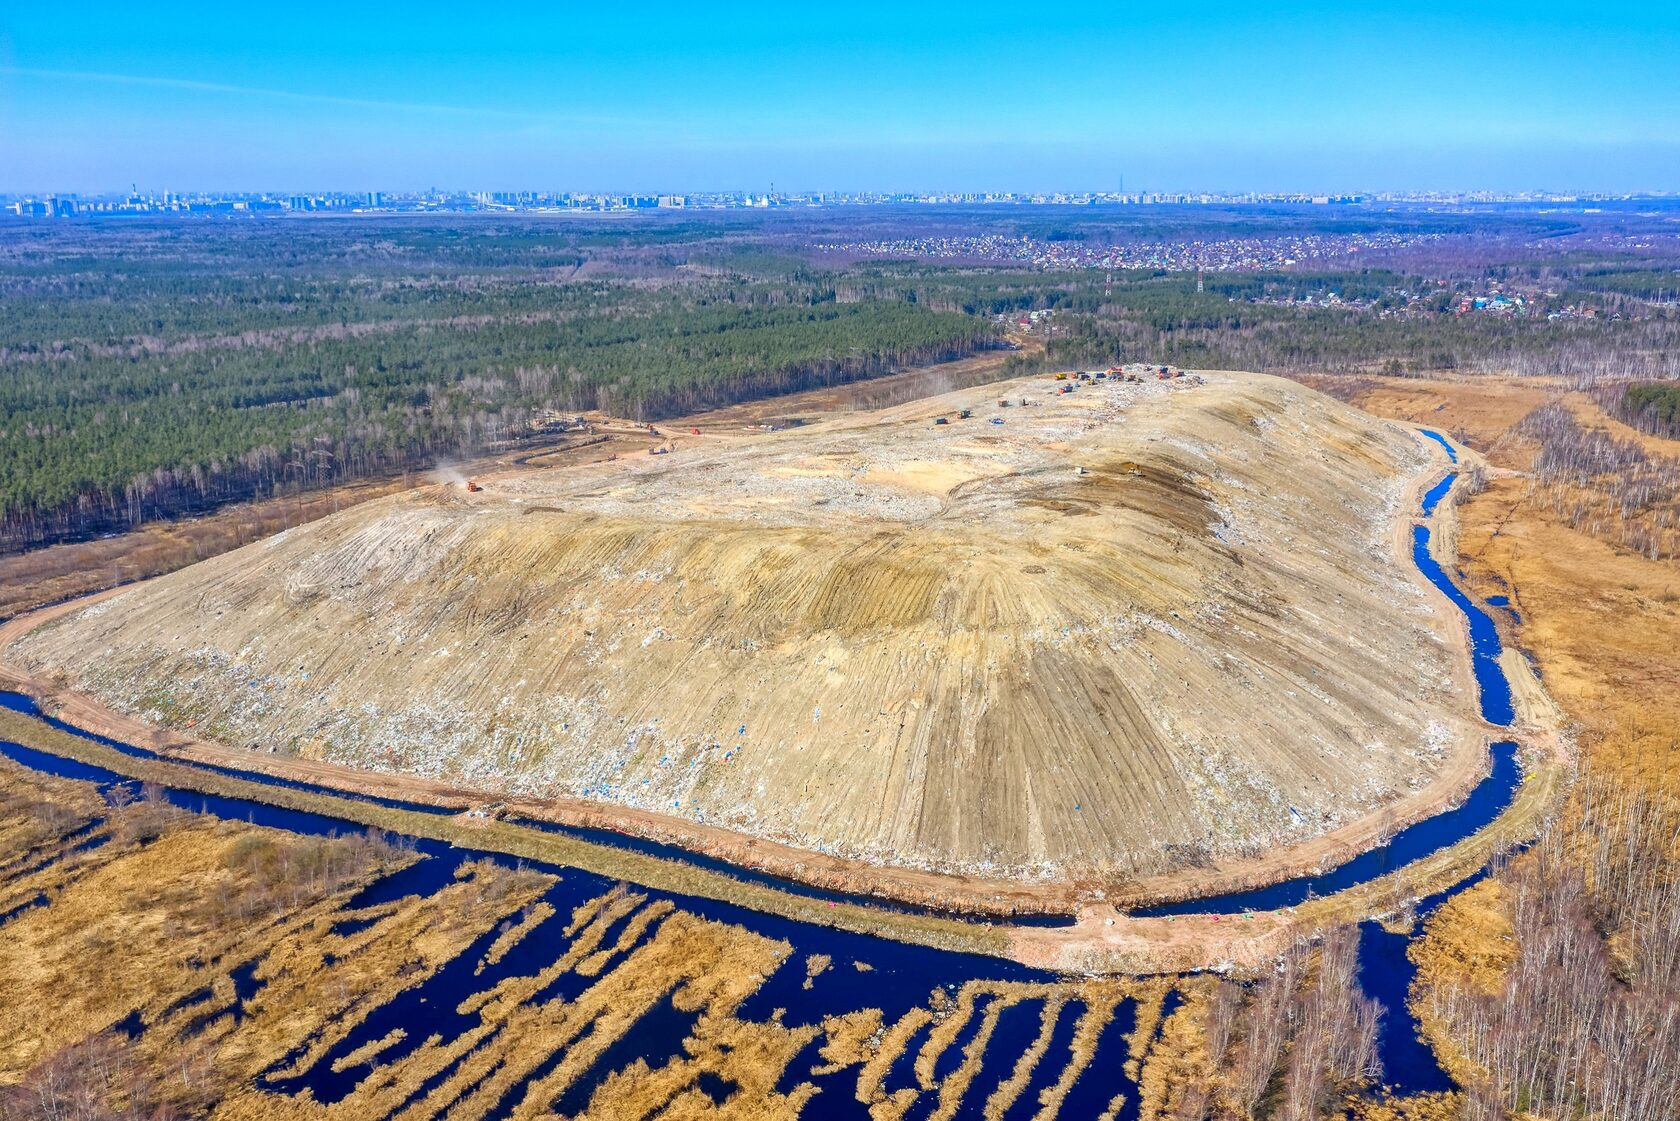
1132	628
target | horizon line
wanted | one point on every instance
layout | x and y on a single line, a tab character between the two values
153	194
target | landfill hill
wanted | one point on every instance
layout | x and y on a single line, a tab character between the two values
1135	626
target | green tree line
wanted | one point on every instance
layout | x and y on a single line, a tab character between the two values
95	436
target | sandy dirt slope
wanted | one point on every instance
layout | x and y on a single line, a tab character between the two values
1129	629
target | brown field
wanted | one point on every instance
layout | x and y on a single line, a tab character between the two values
198	964
1602	620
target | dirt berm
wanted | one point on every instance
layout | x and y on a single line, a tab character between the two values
1132	628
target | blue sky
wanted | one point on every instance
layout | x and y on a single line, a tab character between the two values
843	96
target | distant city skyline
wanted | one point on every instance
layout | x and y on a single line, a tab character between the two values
1220	97
136	200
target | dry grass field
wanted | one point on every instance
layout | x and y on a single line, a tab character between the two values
1602	621
1553	984
189	967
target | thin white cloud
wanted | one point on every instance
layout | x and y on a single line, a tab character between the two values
195	86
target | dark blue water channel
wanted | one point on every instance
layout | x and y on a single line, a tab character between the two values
21	703
1432	497
630	843
1485	803
1485	647
1452	452
899	977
